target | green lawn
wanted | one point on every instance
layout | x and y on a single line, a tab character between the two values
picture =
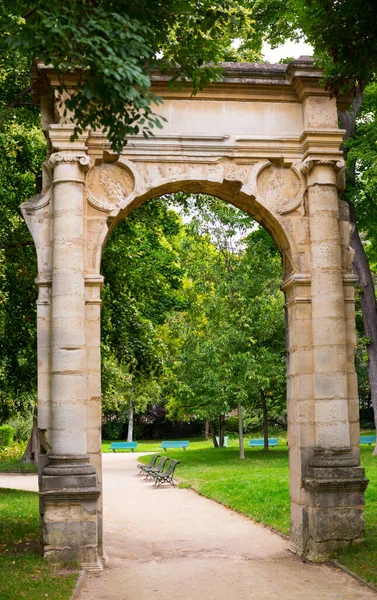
258	487
24	574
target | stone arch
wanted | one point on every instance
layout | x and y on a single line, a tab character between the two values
265	139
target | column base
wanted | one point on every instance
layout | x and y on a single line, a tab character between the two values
335	511
68	507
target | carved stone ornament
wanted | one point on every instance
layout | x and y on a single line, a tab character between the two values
58	158
280	186
110	185
312	161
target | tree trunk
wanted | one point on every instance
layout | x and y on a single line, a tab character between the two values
213	434
130	431
240	430
222	431
368	309
361	263
32	449
206	430
265	422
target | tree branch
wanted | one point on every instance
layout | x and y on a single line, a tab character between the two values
16	245
29	13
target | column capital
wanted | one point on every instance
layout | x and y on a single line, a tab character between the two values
332	171
59	158
310	162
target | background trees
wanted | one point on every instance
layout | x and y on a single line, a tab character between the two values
232	349
117	45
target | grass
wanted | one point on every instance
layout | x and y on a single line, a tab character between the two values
258	487
15	466
10	459
24	574
363	559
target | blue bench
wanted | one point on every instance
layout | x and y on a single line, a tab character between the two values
259	442
367	439
174	444
123	446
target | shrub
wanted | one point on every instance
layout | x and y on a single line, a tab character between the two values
6	435
13	452
22	427
113	430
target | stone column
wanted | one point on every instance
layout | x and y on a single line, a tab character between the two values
69	483
333	478
93	288
300	406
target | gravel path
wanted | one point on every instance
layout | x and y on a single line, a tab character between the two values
171	544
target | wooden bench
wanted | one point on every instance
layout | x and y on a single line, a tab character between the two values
259	442
174	444
367	439
123	446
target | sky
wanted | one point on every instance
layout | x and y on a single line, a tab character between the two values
287	49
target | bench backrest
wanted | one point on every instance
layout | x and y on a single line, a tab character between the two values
174	444
260	442
367	439
161	463
170	470
124	444
153	460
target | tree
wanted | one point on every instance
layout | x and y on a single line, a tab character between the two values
344	38
232	349
116	45
142	283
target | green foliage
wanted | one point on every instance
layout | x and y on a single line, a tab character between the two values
342	34
6	435
22	426
116	46
12	452
142	282
233	330
22	152
361	188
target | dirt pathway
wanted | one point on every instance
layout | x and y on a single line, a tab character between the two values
171	544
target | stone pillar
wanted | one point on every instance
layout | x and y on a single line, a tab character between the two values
93	288
332	476
69	490
300	406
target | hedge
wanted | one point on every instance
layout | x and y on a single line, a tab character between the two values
6	435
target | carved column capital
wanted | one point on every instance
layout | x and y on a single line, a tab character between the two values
59	158
316	161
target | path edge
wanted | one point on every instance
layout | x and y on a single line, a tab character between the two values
79	584
360	579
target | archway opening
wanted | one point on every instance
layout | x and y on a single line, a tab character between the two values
193	330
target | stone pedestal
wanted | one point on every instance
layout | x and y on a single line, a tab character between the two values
68	502
335	514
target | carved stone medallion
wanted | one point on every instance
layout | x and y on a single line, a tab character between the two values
281	188
109	185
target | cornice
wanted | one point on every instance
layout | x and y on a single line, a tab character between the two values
240	81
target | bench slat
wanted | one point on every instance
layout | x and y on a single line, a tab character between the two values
256	442
367	439
174	444
123	446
